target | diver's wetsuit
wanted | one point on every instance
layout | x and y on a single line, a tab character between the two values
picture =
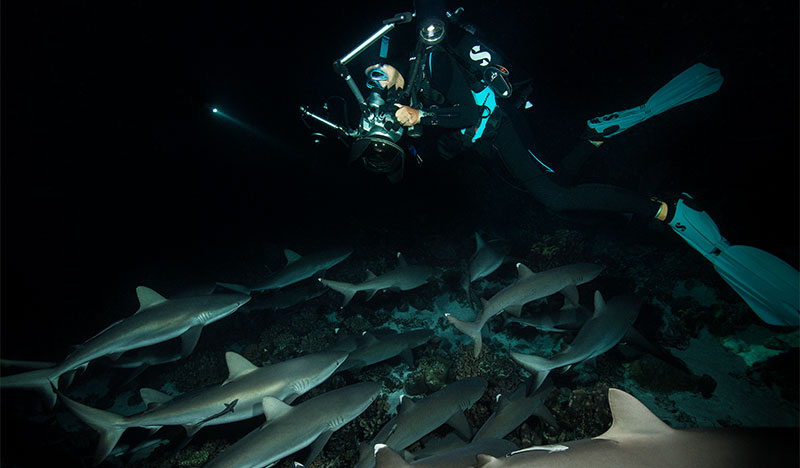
453	106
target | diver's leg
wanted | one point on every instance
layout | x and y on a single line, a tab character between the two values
536	179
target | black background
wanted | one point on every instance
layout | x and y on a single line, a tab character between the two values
115	173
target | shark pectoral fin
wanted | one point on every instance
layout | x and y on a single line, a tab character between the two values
317	446
238	366
191	429
407	357
515	310
459	422
274	408
189	340
115	356
570	293
386	457
153	398
371	293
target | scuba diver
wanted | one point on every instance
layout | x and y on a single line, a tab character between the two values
457	90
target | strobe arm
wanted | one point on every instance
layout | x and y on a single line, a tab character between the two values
304	112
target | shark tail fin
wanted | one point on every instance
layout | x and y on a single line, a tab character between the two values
110	426
346	289
534	364
471	330
240	288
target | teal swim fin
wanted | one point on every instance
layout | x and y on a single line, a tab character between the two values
770	286
695	82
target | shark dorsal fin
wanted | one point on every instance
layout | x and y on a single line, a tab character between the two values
631	417
273	408
479	243
370	275
523	271
401	261
238	366
386	457
599	303
152	397
405	405
291	256
148	298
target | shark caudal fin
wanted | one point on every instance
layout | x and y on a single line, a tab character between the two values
347	289
110	426
534	364
470	329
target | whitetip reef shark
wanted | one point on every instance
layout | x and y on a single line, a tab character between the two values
417	418
237	398
292	428
297	269
487	258
402	278
603	331
528	287
158	319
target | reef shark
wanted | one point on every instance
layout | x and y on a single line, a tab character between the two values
415	419
157	320
487	258
237	398
603	331
374	349
512	410
637	438
297	269
289	429
461	457
402	278
527	288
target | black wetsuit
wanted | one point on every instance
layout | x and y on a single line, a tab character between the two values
447	96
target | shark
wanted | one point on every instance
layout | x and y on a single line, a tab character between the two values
461	457
527	288
239	397
487	258
639	438
376	349
567	318
402	278
297	269
158	319
289	429
415	419
512	410
608	325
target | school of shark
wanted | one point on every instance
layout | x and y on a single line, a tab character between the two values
286	411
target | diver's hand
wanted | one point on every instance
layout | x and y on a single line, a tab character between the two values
407	116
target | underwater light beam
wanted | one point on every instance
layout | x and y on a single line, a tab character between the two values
240	124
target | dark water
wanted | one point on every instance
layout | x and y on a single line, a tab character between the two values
115	174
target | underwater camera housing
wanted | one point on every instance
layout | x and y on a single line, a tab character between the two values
374	141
